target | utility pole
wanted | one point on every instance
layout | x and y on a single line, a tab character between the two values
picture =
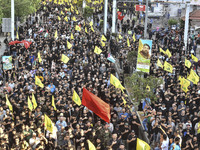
114	16
146	17
12	19
105	16
84	4
187	7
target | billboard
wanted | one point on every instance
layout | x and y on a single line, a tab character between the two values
6	24
7	62
140	7
144	55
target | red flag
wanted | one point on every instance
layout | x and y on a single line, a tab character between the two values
26	44
97	105
119	15
14	42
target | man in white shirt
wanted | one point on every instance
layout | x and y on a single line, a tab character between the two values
165	143
34	141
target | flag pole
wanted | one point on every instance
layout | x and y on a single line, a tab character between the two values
105	16
114	16
12	19
146	17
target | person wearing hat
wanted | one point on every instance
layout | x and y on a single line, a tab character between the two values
132	140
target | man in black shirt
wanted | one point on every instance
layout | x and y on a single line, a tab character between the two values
132	140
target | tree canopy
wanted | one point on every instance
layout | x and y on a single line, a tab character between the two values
137	86
22	8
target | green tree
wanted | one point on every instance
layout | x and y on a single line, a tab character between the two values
172	22
88	11
136	85
22	8
132	59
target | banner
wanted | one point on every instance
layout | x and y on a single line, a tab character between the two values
7	62
144	54
140	7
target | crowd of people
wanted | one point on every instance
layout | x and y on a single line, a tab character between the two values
22	128
171	122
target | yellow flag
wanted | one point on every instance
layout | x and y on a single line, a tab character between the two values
53	103
194	58
8	103
180	78
92	28
17	35
134	39
168	67
38	82
168	53
91	23
30	105
159	64
55	1
103	38
69	45
128	43
187	63
72	9
59	18
162	51
78	28
148	88
97	50
77	12
86	30
56	34
91	146
66	19
67	9
76	98
34	101
62	12
72	37
193	77
114	81
120	37
74	18
124	101
39	57
184	84
48	123
142	145
64	58
102	43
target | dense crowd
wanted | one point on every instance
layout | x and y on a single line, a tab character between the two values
172	121
74	125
